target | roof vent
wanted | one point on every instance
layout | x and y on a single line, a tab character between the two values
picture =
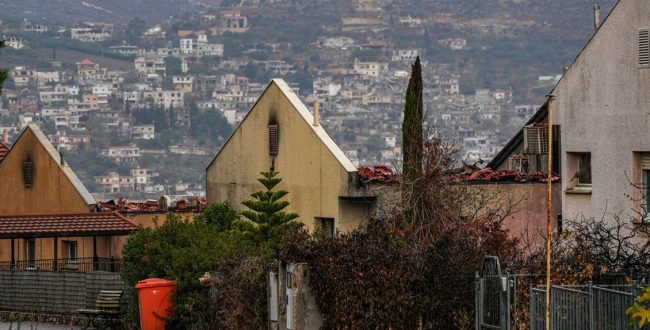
28	173
644	48
273	139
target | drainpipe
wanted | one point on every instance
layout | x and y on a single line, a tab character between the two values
596	16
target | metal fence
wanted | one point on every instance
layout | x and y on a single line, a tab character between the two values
583	307
84	265
518	301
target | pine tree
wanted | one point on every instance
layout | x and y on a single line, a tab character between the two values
412	139
266	209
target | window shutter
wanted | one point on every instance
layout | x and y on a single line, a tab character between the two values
645	161
273	139
28	173
644	48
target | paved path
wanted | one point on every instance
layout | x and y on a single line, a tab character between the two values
35	326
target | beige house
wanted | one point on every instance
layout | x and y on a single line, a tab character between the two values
280	132
47	214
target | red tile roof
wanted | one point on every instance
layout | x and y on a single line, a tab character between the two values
87	62
3	150
65	225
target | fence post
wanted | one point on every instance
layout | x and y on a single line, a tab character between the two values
477	301
634	294
505	302
591	305
531	307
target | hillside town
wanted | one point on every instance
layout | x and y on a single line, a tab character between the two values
154	105
359	166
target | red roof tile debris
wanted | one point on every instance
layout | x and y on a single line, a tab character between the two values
378	174
472	175
122	205
4	149
65	225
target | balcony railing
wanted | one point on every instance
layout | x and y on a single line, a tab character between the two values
84	265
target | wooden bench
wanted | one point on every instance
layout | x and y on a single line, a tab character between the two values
107	310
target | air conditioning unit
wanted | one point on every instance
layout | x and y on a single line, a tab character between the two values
536	140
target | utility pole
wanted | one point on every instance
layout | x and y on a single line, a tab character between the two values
549	210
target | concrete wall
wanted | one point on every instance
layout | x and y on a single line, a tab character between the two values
527	220
305	313
51	193
602	106
310	172
60	293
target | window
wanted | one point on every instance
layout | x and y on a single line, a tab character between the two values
645	187
584	169
71	250
327	226
578	165
30	253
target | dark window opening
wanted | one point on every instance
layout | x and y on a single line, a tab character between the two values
584	168
30	253
327	226
71	251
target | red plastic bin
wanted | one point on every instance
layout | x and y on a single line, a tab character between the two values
155	295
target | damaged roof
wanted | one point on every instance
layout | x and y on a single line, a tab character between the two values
486	175
378	174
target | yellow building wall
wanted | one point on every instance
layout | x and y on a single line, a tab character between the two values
45	248
310	172
51	192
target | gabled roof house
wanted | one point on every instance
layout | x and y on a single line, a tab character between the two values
48	219
279	132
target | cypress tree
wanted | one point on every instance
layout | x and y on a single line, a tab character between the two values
412	139
3	72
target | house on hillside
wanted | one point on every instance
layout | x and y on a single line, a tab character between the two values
600	116
279	132
47	216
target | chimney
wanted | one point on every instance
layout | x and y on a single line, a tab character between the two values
596	16
315	113
5	138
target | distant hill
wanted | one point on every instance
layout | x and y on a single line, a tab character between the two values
113	11
561	12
